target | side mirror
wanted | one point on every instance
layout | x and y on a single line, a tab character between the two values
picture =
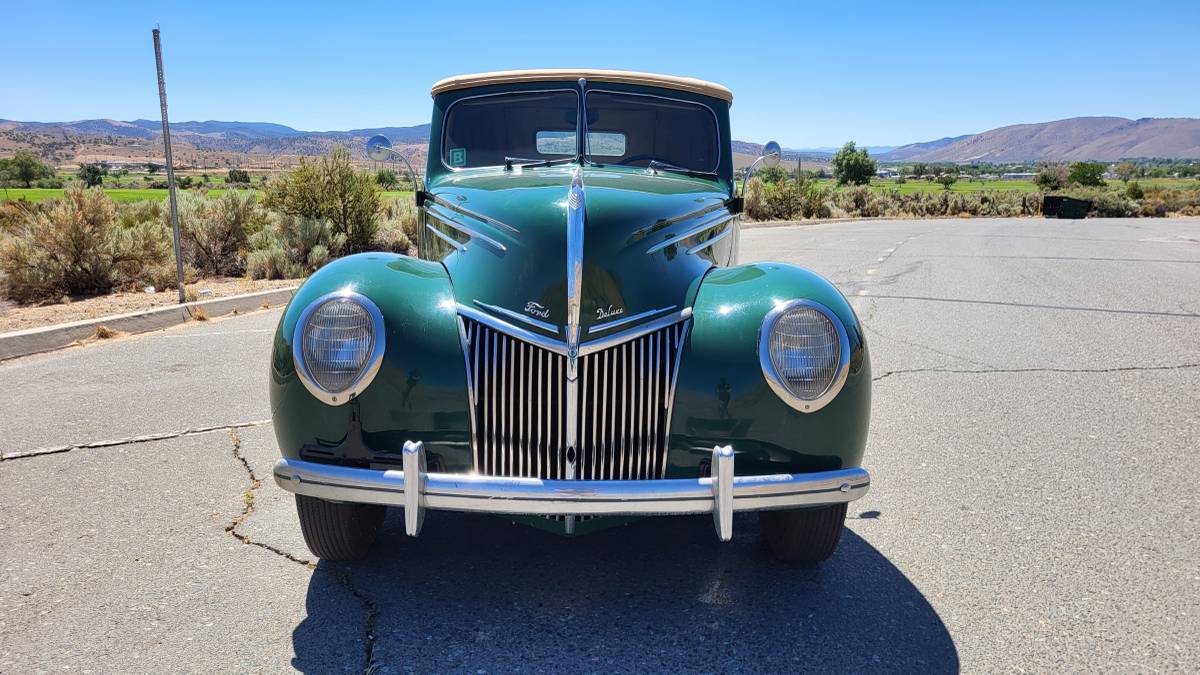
379	149
772	154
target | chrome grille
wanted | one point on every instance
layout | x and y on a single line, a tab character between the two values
519	394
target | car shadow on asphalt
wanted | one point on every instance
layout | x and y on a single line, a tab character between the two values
659	594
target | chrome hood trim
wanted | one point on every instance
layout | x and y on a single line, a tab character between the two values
576	206
560	347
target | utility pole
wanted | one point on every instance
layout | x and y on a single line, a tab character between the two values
162	102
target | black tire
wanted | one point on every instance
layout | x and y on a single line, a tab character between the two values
337	530
803	536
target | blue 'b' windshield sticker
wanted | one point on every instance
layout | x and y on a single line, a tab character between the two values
458	156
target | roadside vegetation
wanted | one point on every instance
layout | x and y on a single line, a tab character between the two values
88	243
98	229
918	190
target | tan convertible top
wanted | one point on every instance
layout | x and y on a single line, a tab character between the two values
570	74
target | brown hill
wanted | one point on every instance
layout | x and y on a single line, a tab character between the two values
1078	138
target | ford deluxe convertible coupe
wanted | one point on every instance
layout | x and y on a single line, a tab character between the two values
575	344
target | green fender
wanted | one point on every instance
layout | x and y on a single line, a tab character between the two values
722	396
420	391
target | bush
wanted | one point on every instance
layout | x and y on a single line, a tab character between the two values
131	213
216	231
291	247
1106	203
1154	208
75	246
398	227
236	176
754	206
1134	191
1053	177
333	190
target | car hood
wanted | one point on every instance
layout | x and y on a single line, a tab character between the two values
510	259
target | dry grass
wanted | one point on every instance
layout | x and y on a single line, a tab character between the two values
104	332
199	315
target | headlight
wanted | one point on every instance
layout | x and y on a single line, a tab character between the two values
804	353
338	346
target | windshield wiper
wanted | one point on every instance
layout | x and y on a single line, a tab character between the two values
674	168
523	162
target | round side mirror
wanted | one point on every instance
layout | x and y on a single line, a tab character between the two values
772	154
379	148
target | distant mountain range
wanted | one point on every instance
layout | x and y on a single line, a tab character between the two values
211	137
1078	138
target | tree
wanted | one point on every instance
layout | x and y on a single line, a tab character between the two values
386	178
331	189
238	176
947	180
1125	170
920	169
91	174
24	168
772	174
853	166
1087	173
152	168
1052	177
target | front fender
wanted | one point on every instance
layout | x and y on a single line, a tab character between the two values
420	390
723	398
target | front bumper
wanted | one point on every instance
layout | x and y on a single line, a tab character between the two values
721	495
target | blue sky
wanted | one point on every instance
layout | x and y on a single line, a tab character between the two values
806	75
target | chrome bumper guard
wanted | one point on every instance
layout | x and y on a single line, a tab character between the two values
721	495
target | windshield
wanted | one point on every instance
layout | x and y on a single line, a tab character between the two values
623	129
675	133
486	130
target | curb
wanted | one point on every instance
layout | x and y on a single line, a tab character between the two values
49	338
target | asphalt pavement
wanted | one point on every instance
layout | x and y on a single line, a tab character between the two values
1036	420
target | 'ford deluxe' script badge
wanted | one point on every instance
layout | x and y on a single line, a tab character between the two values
608	312
537	310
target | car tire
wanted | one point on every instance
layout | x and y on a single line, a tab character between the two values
803	536
338	530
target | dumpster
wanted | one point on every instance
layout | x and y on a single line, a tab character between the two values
1054	206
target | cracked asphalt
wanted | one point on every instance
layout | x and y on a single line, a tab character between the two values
1033	508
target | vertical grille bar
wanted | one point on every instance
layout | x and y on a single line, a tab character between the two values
520	398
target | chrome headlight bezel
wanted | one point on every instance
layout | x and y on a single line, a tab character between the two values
369	368
781	389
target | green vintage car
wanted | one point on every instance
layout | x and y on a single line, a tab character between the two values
575	344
